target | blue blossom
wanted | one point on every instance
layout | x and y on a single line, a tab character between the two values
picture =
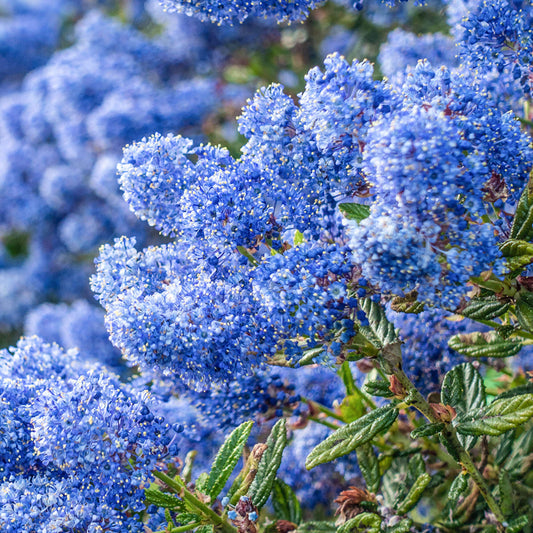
79	326
440	156
78	446
496	36
404	49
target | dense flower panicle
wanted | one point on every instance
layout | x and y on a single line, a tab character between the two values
176	317
233	11
302	292
446	153
29	34
403	49
230	12
79	326
62	131
431	154
77	446
496	36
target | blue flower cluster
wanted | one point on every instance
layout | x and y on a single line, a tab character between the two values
439	167
62	128
496	38
233	11
77	447
403	49
79	325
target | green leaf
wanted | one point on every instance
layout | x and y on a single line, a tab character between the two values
516	391
352	407
414	494
524	310
488	344
400	477
457	488
286	505
464	390
485	308
379	324
505	447
516	248
506	493
516	462
226	459
349	437
364	522
357	212
268	465
518	525
248	255
522	227
404	526
317	527
427	430
161	499
379	388
309	355
298	238
201	482
500	416
205	529
369	466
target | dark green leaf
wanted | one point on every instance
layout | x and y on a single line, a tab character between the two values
485	308
505	447
400	477
488	344
518	525
364	522
379	388
286	505
506	493
516	462
369	466
457	488
427	430
524	310
383	330
522	227
227	458
500	416
357	212
317	527
248	255
516	248
403	526
349	437
516	391
414	494
464	390
268	465
161	499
